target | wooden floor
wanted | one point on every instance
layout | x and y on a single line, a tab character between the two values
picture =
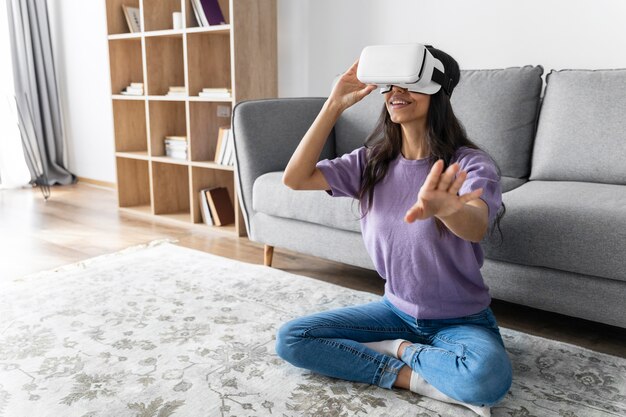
82	221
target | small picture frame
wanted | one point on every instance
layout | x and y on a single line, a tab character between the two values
132	18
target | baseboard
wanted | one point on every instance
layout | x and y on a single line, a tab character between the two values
106	184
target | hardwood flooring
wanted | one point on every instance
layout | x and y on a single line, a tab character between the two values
82	221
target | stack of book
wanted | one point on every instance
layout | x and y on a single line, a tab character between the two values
225	149
208	12
134	89
176	147
216	93
216	207
179	91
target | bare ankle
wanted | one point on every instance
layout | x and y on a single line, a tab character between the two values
404	378
403	346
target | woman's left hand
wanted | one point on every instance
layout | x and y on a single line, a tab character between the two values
438	196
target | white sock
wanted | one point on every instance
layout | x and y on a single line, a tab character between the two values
386	347
420	386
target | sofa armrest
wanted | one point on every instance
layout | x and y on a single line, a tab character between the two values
266	134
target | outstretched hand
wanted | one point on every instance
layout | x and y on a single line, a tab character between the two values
349	90
438	195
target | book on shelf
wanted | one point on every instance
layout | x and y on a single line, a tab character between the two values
134	89
176	154
220	205
177	91
229	148
132	18
208	12
176	147
205	212
219	148
216	93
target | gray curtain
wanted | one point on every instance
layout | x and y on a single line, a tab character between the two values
36	92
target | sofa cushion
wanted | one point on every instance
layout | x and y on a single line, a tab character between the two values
571	226
581	134
271	196
497	107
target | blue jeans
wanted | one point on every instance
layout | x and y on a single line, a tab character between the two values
462	357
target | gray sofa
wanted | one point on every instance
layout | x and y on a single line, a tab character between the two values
562	154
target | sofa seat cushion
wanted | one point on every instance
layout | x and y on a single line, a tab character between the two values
271	196
571	226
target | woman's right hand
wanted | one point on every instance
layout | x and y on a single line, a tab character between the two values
349	90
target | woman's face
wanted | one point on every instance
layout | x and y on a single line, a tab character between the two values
406	106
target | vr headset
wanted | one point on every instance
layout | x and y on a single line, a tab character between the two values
409	66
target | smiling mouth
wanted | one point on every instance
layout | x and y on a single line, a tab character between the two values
398	103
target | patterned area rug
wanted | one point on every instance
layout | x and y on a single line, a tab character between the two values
162	330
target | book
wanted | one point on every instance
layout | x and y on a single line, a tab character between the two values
229	148
219	148
178	89
212	12
214	95
231	160
199	12
216	90
204	208
195	5
176	154
132	18
220	205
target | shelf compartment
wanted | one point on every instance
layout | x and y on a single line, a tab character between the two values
157	14
116	21
133	182
164	57
171	190
205	119
192	22
167	118
208	61
129	121
202	178
126	64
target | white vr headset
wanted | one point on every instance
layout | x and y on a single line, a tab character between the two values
409	66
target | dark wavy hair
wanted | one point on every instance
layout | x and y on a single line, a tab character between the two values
445	134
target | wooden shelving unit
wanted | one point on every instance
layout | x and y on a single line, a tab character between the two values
240	55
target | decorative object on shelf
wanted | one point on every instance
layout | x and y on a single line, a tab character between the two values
208	12
134	89
179	91
222	210
216	93
176	147
132	18
177	20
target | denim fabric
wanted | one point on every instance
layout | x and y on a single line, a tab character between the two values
462	357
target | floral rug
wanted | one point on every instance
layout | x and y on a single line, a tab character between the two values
161	330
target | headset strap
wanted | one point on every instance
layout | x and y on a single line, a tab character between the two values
440	78
443	80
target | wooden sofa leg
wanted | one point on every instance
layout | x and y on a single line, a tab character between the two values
269	252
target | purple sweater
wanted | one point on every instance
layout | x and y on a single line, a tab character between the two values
426	276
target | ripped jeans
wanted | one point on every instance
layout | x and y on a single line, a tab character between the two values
462	357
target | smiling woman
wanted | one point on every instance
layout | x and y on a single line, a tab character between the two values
426	195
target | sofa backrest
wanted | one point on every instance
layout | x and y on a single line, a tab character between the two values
498	109
581	135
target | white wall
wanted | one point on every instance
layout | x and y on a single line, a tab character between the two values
79	42
318	39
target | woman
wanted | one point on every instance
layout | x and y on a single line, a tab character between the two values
433	331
